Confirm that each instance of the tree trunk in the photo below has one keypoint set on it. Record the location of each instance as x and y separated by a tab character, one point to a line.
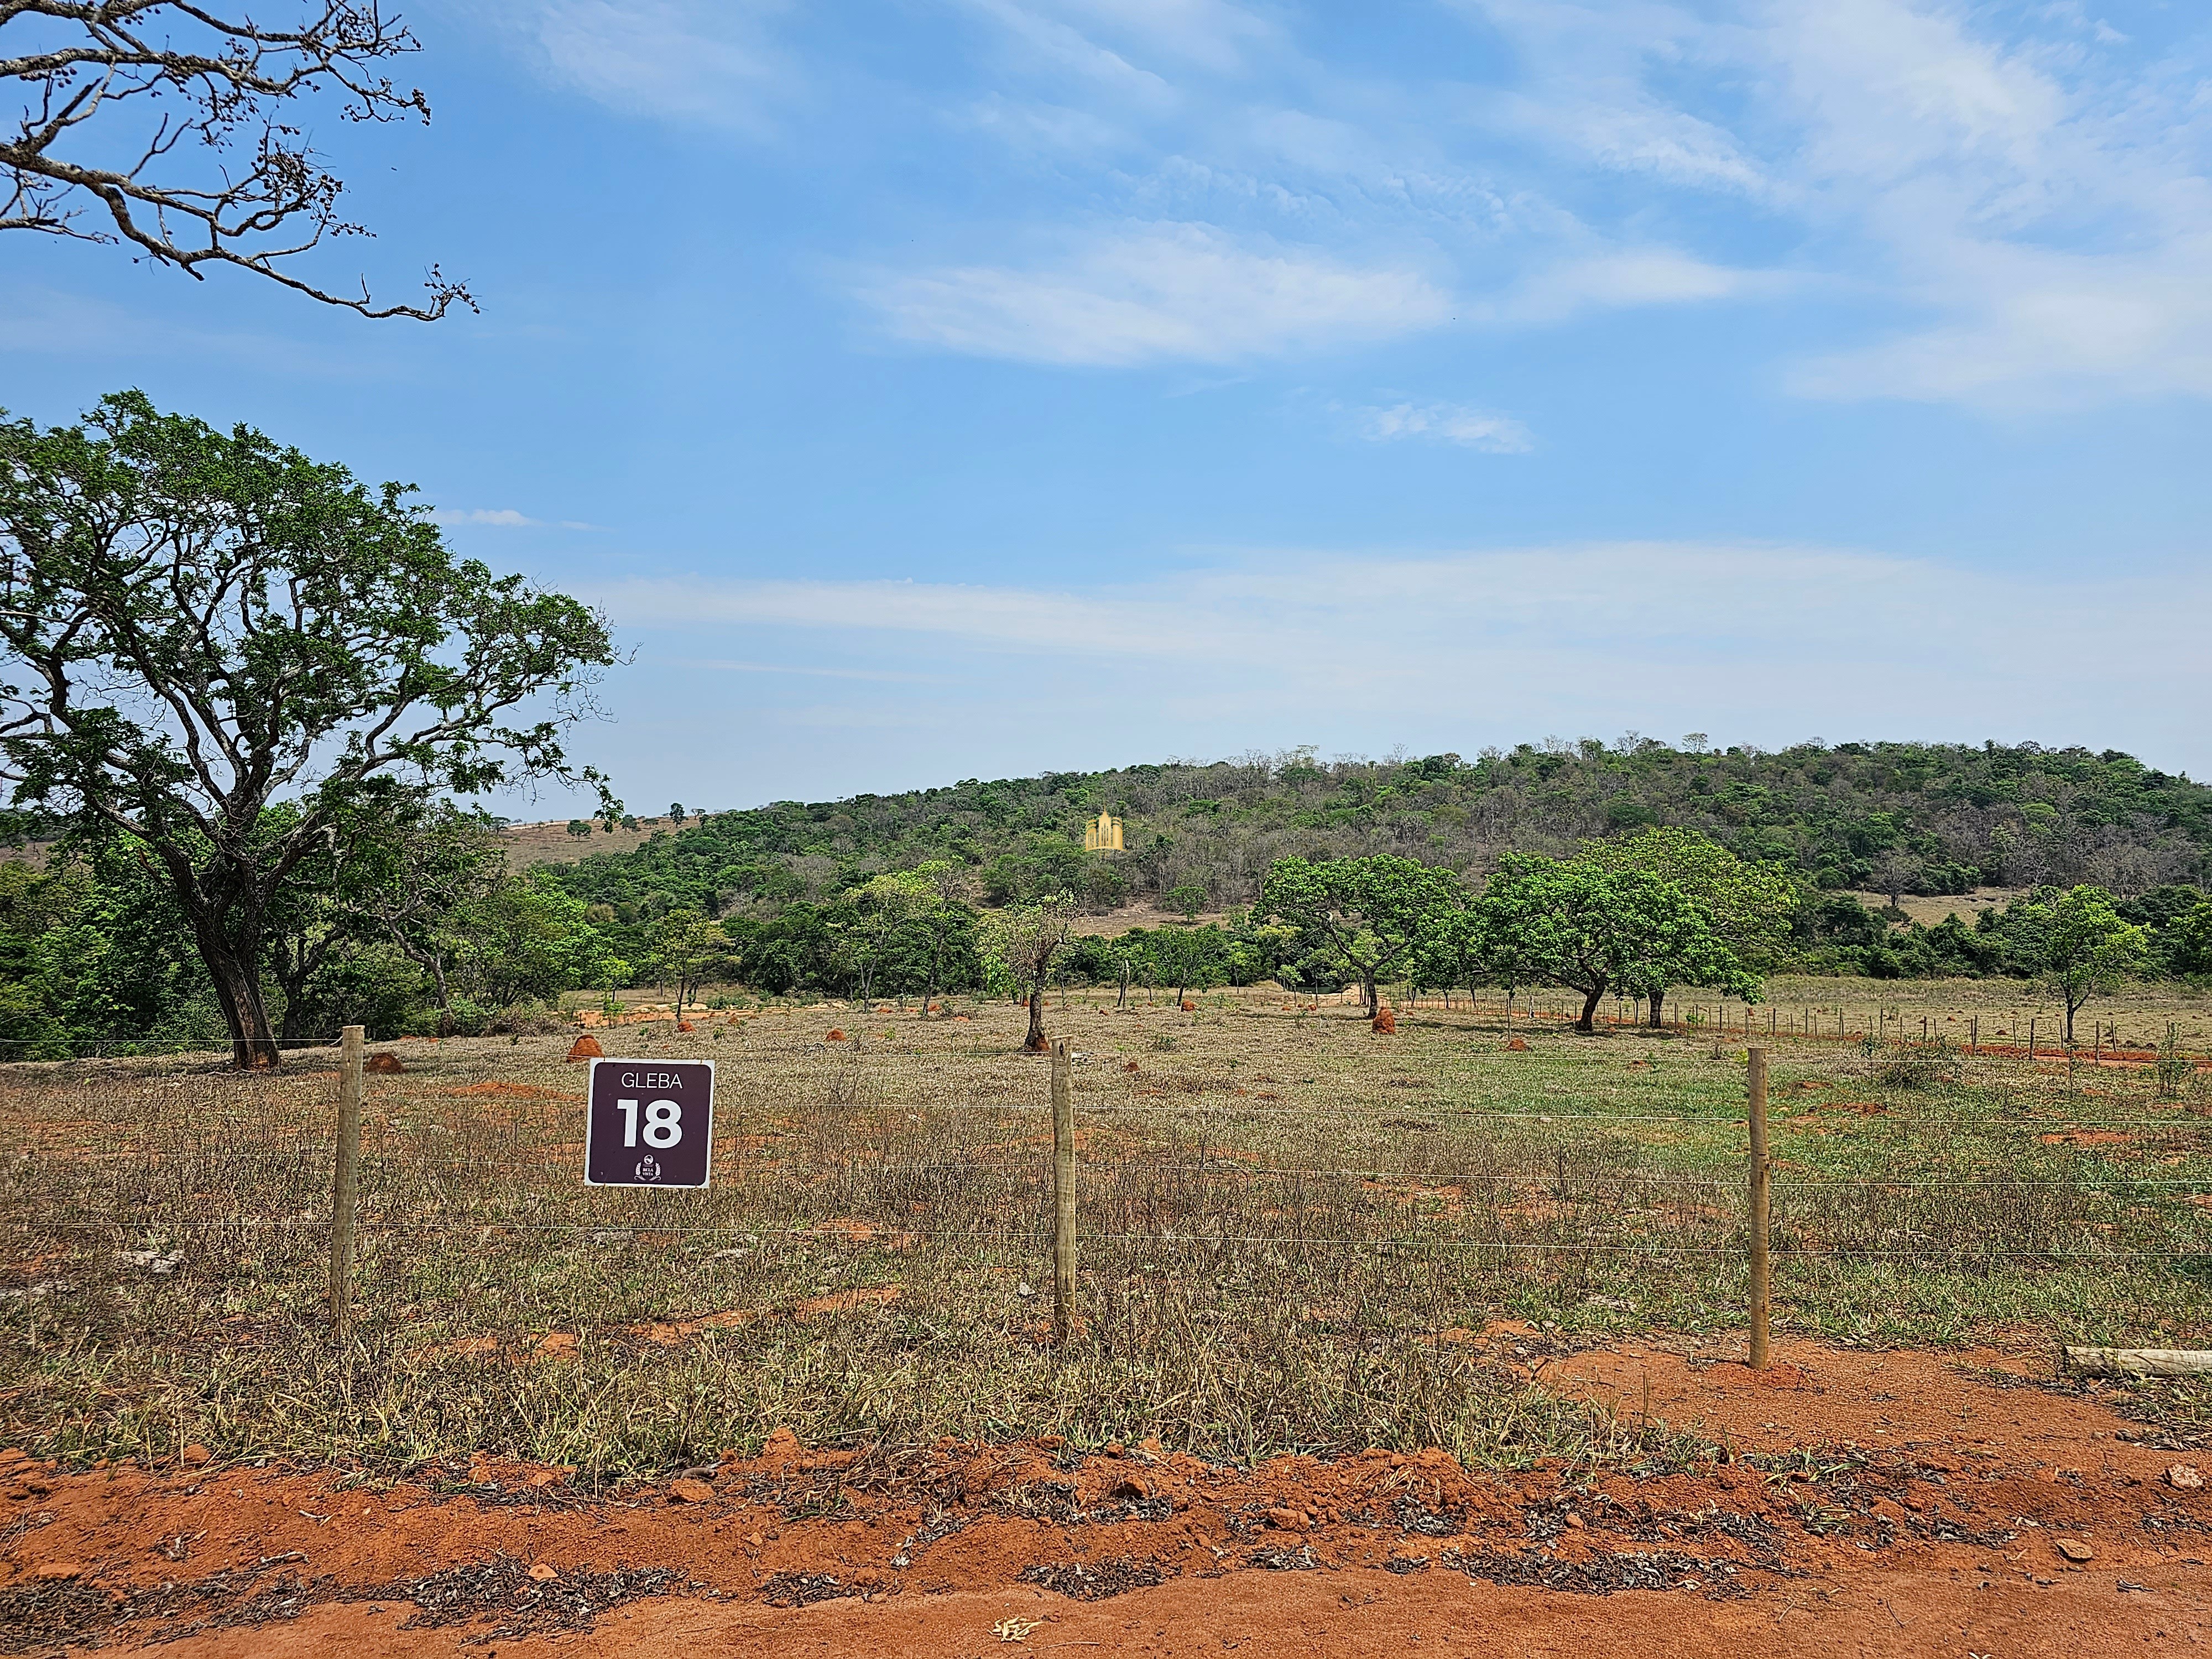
867	987
1122	997
1367	990
1590	1001
446	1023
1035	1042
238	992
1658	1020
294	968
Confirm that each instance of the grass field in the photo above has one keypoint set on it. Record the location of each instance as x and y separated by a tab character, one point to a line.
1294	1233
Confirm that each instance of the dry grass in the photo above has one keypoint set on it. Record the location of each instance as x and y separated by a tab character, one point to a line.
1294	1233
526	844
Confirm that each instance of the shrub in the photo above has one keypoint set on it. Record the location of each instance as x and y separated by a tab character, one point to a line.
528	1017
1919	1066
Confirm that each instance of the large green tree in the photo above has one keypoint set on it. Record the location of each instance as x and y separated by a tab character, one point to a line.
1367	911
685	943
878	911
1750	907
198	625
1573	923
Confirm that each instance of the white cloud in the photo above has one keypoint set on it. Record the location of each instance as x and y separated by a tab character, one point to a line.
2032	199
1155	293
704	63
1530	638
504	518
1475	428
1210	34
1624	277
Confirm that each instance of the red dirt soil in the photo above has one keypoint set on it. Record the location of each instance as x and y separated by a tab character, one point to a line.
1951	1505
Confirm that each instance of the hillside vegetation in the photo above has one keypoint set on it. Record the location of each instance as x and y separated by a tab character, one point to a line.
1892	817
1435	872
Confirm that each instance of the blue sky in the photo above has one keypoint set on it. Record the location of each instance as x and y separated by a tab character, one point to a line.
944	388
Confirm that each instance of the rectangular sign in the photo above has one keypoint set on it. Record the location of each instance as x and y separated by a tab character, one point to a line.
651	1123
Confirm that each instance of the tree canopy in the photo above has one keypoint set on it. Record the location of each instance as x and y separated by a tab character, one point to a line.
1369	912
2078	943
198	626
1749	907
1574	923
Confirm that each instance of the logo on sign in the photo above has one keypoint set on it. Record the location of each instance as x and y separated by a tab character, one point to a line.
648	1169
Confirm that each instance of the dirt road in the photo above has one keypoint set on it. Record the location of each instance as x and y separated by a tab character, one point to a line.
1872	1504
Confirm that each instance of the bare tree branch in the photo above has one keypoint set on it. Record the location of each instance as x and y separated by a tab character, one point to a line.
114	94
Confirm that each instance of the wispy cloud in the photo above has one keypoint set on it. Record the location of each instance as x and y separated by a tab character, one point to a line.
1212	34
699	63
504	518
723	665
1534	635
2025	185
1155	292
1474	429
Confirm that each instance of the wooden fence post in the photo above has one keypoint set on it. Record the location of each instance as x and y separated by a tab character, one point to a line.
1063	1194
345	1182
1762	1287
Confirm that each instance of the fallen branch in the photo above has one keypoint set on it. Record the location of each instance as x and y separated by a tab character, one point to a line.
2139	1362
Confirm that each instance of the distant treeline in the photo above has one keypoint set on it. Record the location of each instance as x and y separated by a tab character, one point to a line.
411	922
1890	817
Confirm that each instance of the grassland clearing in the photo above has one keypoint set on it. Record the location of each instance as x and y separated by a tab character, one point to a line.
1300	1240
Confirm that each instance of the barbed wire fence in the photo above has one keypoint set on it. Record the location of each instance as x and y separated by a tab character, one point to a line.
967	1164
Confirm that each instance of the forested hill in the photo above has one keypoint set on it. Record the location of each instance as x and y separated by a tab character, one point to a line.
1909	817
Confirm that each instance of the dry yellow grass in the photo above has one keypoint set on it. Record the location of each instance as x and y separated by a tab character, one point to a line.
1285	1218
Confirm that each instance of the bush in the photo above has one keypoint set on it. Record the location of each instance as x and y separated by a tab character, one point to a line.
1919	1066
528	1017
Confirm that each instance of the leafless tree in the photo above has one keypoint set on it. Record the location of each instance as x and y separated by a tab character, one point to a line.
160	125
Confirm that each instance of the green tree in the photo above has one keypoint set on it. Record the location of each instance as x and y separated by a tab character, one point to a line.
685	942
418	879
197	625
1750	908
1367	911
1025	937
579	828
1189	899
528	940
1188	958
2077	943
2189	940
880	908
1573	923
946	923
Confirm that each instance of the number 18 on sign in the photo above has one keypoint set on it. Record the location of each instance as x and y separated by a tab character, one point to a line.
651	1123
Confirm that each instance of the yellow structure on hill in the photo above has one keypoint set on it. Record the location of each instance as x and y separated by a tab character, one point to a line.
1103	837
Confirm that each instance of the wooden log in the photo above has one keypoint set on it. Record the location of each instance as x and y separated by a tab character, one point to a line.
2139	1362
